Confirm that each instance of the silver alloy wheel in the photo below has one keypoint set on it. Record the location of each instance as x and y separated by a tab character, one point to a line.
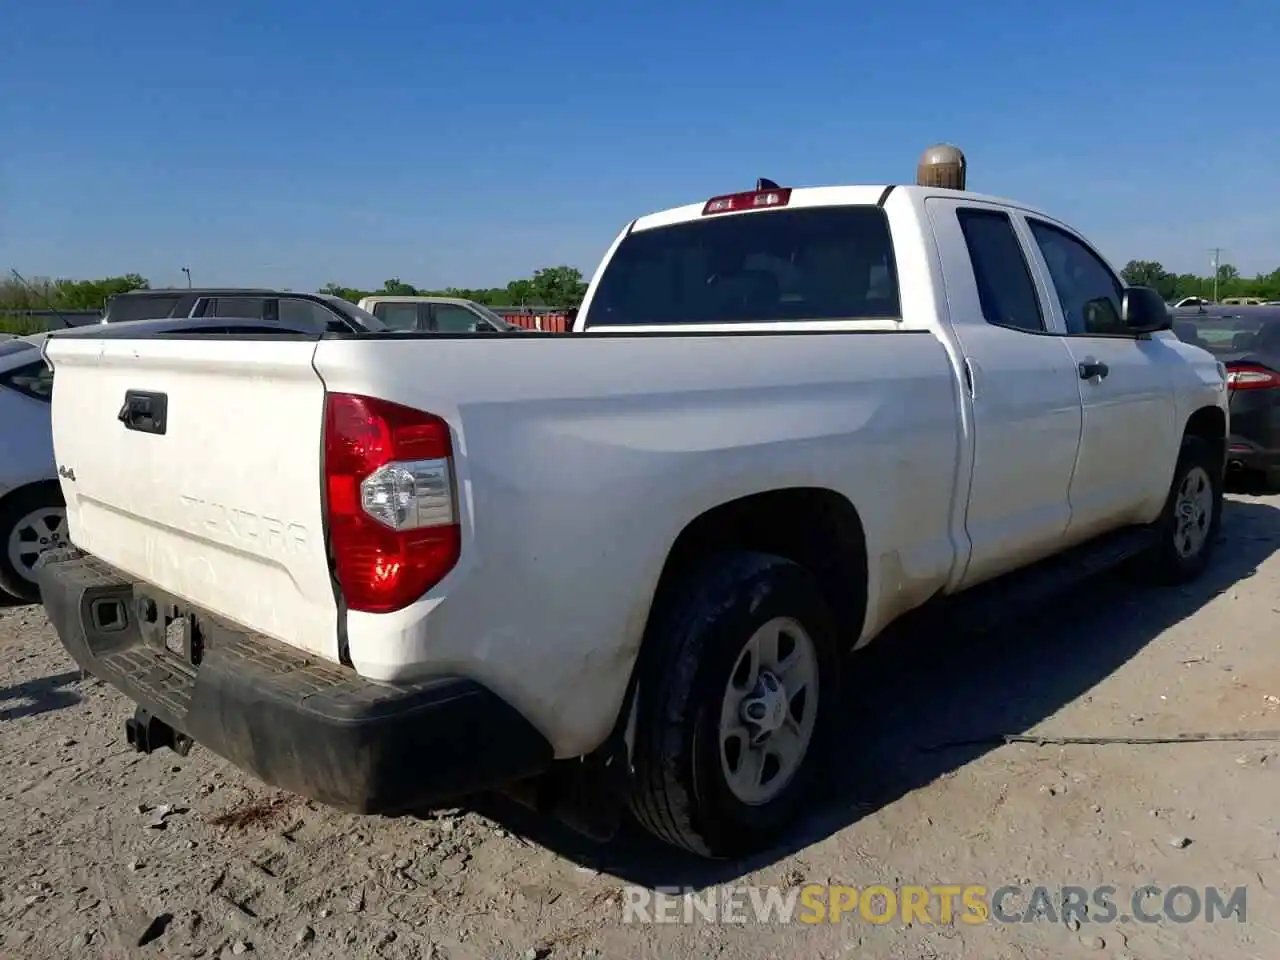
1192	512
769	710
42	529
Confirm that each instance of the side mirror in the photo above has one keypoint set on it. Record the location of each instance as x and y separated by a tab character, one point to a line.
1142	310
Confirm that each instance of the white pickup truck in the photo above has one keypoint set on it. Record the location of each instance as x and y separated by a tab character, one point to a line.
381	569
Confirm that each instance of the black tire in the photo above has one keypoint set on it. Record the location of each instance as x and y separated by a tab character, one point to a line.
680	792
1165	563
16	508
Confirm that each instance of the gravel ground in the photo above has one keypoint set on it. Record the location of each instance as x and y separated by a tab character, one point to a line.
106	853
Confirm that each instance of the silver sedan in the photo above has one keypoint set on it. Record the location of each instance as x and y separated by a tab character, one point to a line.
32	515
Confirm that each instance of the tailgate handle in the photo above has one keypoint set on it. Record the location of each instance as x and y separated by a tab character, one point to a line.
144	411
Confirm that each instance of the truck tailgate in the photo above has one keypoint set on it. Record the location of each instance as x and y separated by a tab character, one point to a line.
217	498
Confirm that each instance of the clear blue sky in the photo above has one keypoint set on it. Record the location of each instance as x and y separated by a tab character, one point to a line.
291	143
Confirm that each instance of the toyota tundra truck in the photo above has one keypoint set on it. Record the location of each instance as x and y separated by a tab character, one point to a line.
620	570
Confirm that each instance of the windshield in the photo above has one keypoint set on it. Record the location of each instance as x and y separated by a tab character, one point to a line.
349	309
809	263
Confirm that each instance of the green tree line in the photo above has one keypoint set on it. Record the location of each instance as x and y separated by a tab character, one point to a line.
561	286
549	287
1175	286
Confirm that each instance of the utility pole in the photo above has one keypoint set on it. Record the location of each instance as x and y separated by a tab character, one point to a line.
1217	263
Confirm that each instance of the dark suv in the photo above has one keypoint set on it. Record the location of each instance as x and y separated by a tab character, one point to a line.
320	311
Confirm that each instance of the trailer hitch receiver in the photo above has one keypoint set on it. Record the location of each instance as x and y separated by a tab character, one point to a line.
147	733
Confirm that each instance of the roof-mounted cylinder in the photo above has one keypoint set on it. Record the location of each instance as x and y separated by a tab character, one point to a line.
942	165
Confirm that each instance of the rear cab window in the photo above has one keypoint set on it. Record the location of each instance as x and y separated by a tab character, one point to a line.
801	263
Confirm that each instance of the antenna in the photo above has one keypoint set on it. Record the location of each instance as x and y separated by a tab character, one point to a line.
764	183
47	302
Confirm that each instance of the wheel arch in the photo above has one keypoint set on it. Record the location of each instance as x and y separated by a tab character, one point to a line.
815	527
1209	423
15	583
11	496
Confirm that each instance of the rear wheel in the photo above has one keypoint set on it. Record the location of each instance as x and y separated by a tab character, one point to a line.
736	706
32	520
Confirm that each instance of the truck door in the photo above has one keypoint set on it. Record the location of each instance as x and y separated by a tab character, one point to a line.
1023	386
1129	437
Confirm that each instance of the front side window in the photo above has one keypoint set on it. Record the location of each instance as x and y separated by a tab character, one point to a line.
1088	291
1005	288
451	318
807	263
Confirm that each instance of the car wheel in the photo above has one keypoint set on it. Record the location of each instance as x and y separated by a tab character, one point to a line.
1187	530
32	520
736	706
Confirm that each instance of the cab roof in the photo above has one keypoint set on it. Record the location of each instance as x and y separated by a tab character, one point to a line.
853	195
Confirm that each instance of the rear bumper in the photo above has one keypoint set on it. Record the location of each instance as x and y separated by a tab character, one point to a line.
1255	431
292	720
1247	455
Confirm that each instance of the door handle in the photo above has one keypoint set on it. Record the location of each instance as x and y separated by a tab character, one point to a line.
144	411
1093	368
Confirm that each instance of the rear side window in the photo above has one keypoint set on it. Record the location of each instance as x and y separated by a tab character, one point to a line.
1005	288
35	380
816	263
125	308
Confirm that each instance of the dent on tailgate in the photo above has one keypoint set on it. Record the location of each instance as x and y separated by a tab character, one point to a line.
222	506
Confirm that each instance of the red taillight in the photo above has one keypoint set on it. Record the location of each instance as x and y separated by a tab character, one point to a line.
393	523
1251	376
751	200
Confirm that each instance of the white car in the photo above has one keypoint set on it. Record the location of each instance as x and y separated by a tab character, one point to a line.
32	517
385	569
436	314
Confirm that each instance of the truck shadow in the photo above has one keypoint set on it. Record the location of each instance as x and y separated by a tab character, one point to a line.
35	697
916	691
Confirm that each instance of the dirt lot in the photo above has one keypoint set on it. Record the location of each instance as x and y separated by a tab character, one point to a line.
105	853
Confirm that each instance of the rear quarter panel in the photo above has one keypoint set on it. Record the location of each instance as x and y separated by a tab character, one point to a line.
580	460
